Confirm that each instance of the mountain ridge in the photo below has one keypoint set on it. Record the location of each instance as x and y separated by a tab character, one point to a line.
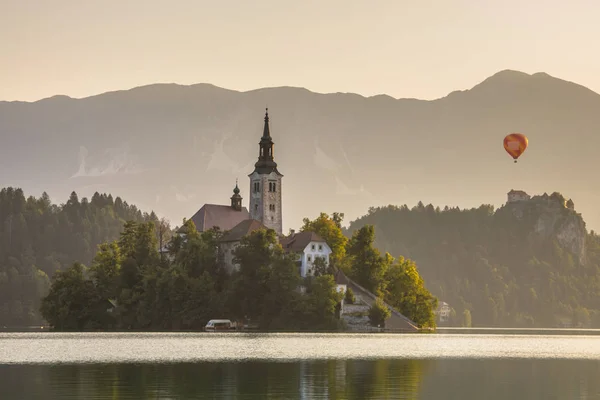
173	147
498	75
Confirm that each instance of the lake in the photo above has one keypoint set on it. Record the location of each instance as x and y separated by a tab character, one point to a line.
458	364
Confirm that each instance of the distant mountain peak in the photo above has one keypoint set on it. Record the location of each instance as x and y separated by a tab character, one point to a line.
510	83
505	77
510	74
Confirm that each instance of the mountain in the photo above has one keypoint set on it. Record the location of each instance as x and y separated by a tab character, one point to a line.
172	148
529	263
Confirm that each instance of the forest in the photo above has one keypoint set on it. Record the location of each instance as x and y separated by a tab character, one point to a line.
492	267
38	238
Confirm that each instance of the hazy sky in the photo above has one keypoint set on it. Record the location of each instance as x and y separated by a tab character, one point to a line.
423	49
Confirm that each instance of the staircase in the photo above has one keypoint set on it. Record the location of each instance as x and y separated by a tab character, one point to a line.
395	323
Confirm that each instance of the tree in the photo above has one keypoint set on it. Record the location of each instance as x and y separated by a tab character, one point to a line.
405	290
318	309
320	266
72	300
349	296
254	255
105	270
163	232
280	296
367	266
379	313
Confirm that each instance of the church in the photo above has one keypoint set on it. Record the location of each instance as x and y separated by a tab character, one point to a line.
264	212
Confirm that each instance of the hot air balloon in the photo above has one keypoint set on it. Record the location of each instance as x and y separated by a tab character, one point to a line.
515	144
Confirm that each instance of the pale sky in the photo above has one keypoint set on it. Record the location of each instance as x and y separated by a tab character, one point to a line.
422	48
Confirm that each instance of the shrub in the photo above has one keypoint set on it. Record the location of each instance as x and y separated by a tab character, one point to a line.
378	313
349	297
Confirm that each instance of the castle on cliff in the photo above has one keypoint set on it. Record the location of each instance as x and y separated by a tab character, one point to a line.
518	196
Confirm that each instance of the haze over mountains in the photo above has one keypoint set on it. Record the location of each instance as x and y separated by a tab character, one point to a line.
172	148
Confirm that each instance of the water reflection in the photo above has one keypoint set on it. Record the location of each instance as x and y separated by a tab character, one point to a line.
247	380
332	379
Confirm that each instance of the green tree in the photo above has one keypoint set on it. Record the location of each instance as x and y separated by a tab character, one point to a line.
255	255
105	270
349	296
320	266
320	306
379	313
72	300
368	267
405	290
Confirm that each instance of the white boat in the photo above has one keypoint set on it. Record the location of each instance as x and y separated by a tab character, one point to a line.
219	325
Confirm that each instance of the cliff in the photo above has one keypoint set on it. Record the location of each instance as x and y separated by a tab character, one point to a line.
549	218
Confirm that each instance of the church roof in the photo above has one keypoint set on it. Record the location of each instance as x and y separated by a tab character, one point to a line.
224	217
299	241
242	229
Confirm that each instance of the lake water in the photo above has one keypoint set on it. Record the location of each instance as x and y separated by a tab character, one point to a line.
457	365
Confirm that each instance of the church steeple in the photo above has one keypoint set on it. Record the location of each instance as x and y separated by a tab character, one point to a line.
266	161
236	199
266	131
265	184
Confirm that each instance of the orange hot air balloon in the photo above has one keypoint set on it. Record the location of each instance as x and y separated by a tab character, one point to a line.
515	144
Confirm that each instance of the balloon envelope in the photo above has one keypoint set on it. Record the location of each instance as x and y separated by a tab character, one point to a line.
515	144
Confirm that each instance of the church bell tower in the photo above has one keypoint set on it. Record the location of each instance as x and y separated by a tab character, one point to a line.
265	184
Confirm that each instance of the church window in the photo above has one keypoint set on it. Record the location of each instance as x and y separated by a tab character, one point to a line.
272	207
312	247
256	207
320	247
256	187
272	187
309	258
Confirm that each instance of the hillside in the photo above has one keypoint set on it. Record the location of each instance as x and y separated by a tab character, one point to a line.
526	264
38	237
173	148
